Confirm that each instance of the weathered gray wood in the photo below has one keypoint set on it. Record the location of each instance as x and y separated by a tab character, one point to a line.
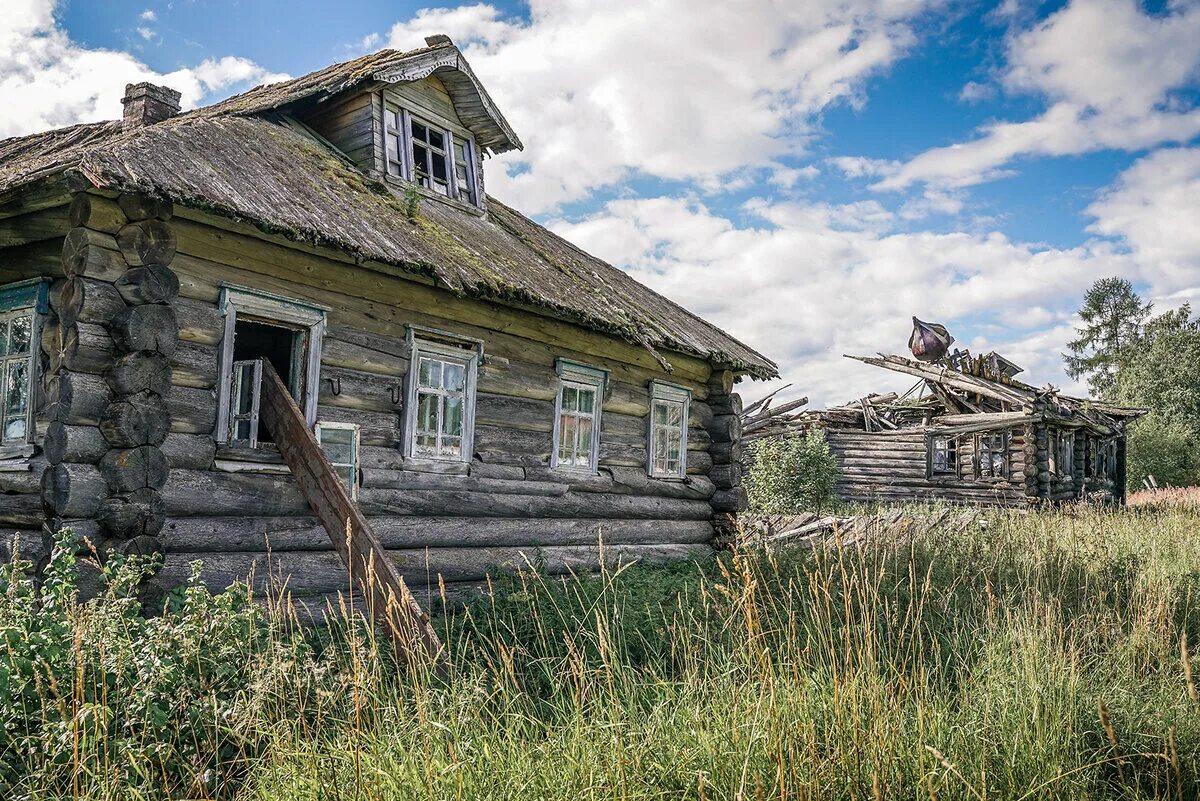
376	429
73	490
195	365
228	534
77	300
76	398
66	443
147	242
191	451
143	207
150	328
140	372
361	390
134	468
729	500
90	253
192	411
408	479
35	226
95	212
150	284
305	572
136	420
136	514
82	348
191	492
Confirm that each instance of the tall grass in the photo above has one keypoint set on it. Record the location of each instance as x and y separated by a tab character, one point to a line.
1048	655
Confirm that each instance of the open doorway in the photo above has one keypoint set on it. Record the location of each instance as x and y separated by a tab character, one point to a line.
282	347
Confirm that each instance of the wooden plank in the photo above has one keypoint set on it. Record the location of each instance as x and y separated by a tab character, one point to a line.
372	572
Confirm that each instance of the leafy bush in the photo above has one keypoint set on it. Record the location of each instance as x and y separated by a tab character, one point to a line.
791	474
1165	449
98	695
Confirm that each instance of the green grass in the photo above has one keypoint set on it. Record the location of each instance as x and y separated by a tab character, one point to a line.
1037	656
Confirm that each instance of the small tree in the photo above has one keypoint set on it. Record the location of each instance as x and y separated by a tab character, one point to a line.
791	474
1163	448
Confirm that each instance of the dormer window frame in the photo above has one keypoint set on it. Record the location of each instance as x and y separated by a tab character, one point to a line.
398	153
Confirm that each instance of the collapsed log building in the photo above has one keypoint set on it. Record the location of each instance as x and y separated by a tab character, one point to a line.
485	391
967	432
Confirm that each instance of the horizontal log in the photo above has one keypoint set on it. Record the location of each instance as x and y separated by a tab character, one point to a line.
76	398
77	300
136	514
73	490
22	511
149	328
92	254
378	429
228	534
140	372
360	390
202	322
24	482
34	226
406	479
191	451
134	468
194	365
306	572
82	444
192	411
150	284
81	348
96	212
147	242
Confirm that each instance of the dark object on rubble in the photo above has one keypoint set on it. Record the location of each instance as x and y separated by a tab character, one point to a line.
929	341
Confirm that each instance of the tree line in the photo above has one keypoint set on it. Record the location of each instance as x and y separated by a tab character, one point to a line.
1130	356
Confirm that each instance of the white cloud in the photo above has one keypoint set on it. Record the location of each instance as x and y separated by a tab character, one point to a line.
145	33
1109	73
148	16
1154	207
788	177
598	91
974	92
810	282
48	81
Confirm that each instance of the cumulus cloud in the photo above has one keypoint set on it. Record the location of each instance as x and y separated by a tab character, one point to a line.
809	282
600	91
1110	74
48	81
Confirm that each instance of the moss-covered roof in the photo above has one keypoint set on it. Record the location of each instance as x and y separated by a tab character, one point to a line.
241	159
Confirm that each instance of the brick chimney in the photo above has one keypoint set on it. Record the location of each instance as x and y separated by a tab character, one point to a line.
146	104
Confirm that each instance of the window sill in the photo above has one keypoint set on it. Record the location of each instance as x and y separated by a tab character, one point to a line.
15	464
235	466
21	451
445	467
401	185
244	459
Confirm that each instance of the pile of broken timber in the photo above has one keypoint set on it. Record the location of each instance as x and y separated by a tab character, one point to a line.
760	420
811	530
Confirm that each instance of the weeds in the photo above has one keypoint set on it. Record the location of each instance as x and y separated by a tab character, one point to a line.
1038	656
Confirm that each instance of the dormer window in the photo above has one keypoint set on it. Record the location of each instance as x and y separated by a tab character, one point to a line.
426	153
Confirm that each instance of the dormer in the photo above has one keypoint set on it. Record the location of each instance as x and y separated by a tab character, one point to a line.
417	119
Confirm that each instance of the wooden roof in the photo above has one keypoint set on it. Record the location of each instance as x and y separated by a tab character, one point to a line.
244	160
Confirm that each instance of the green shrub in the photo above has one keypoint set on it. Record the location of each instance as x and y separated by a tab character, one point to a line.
96	695
1165	449
791	474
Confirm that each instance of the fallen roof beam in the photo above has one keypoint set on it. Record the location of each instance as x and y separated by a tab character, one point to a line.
949	377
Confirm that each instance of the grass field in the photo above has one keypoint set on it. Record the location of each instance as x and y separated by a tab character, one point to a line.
1038	656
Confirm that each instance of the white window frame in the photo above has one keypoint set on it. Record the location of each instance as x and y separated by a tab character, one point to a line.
307	318
574	374
355	463
447	347
17	299
664	393
406	169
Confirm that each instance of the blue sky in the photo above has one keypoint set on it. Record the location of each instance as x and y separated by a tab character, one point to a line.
807	178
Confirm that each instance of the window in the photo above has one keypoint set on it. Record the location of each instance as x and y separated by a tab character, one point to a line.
991	456
577	416
339	441
441	400
260	327
943	455
1063	451
668	430
429	154
21	305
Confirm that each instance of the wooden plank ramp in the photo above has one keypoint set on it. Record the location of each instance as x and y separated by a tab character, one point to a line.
389	601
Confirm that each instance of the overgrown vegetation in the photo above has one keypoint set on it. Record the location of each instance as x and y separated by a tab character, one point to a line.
1040	656
1151	362
791	474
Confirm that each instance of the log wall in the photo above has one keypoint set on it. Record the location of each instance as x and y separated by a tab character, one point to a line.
129	458
893	466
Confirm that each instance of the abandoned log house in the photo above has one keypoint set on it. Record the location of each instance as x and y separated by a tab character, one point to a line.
485	391
970	432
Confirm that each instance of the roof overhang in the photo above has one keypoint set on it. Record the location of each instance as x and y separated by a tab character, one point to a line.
472	102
